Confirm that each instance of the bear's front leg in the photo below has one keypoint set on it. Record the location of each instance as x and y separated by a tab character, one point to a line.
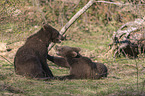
58	61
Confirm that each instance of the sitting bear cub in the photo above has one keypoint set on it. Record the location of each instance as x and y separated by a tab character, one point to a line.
30	59
80	67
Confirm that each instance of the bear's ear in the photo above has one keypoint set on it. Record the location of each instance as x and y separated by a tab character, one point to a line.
76	49
73	54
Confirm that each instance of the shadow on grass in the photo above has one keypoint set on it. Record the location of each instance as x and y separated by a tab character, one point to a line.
11	89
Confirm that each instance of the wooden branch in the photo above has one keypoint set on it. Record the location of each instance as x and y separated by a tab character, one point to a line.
73	19
6	59
118	3
110	3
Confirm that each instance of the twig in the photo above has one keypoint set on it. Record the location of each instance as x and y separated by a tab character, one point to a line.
110	3
121	4
6	59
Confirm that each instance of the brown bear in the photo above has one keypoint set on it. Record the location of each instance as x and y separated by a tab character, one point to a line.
31	59
80	67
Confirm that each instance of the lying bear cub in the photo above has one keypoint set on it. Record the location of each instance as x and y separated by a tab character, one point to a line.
80	67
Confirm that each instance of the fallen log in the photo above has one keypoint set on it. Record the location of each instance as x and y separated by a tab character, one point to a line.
129	39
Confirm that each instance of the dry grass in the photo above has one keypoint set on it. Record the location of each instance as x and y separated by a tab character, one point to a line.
126	76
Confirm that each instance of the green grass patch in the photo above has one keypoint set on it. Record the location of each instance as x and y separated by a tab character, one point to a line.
126	76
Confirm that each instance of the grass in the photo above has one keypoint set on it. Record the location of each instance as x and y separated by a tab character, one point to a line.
126	76
121	81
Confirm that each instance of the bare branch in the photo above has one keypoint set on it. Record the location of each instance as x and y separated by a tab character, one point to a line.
73	19
111	3
6	59
120	4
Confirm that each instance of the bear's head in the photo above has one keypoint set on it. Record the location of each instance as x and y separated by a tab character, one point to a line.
66	51
55	36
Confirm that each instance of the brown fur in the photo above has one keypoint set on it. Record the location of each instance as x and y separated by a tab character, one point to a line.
30	59
60	61
80	67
